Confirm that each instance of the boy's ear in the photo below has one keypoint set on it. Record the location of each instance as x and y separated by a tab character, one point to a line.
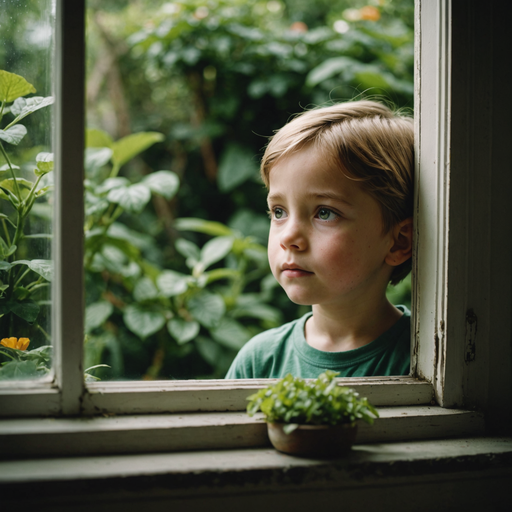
402	248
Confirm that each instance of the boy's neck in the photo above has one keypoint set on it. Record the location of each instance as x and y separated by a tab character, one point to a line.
335	330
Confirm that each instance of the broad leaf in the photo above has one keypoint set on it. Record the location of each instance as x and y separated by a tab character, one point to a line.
44	163
13	86
236	165
231	334
6	250
221	273
182	331
9	184
42	267
143	322
112	183
172	283
21	370
128	147
14	134
96	314
95	158
97	139
5	167
144	290
5	265
27	310
207	308
216	249
22	107
202	226
188	249
133	198
165	183
328	69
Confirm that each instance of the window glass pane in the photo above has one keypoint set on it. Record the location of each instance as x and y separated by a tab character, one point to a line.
26	163
180	99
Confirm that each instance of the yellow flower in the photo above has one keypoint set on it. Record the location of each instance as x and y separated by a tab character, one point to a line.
370	13
19	344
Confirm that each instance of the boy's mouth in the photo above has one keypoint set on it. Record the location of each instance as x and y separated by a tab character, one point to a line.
291	270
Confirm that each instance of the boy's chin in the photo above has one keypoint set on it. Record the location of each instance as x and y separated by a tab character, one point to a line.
300	301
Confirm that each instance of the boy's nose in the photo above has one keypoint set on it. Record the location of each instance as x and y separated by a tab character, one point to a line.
292	236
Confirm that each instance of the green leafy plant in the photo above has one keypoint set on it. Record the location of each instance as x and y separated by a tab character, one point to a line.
196	307
24	277
296	401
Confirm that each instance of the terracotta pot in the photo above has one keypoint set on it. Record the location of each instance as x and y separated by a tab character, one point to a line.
313	440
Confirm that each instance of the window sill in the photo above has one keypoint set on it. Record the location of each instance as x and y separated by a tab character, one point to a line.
101	435
246	479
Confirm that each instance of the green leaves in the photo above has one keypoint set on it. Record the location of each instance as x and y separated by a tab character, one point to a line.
44	162
13	86
14	134
165	183
133	198
42	267
128	147
183	331
27	310
22	107
96	314
320	402
143	322
207	308
237	164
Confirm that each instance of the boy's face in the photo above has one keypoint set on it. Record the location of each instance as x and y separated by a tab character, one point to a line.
326	243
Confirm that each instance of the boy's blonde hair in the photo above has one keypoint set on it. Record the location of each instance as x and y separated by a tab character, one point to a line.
369	143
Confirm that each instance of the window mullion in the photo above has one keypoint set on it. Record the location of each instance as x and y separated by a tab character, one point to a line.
68	220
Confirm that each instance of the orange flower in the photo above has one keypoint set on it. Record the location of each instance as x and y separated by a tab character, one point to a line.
370	13
19	344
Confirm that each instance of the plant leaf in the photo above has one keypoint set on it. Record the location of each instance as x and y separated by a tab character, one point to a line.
22	107
165	183
112	183
28	310
172	283
231	334
216	249
96	314
130	146
95	158
202	226
182	331
144	290
21	370
329	68
290	427
236	165
13	86
42	267
207	308
97	139
133	198
143	322
14	134
44	163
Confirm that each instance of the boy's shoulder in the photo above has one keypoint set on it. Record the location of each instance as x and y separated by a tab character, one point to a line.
264	350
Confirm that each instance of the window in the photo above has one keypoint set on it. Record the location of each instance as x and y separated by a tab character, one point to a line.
461	254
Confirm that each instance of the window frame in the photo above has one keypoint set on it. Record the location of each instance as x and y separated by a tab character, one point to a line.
439	323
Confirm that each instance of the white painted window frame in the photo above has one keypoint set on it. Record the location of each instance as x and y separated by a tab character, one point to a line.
442	329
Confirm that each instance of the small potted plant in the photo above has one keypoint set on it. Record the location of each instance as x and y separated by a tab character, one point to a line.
311	418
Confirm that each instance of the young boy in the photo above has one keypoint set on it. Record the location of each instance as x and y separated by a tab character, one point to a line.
340	182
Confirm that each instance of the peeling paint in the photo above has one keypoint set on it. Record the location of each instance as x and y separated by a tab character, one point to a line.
470	341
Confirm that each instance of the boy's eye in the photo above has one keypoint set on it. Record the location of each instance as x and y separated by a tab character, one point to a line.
278	213
326	214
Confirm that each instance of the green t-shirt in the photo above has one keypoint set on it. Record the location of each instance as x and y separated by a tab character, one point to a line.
277	352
